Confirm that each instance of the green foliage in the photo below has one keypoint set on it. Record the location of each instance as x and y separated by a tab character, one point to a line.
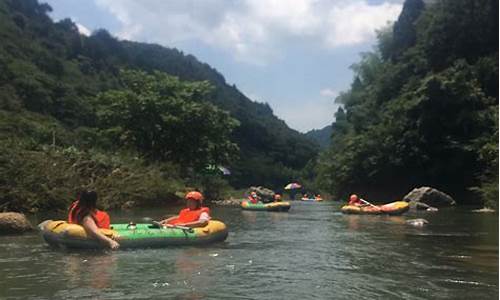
166	119
48	178
321	136
420	112
50	69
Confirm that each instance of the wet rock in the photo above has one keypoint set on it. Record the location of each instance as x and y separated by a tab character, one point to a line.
11	222
414	205
266	195
417	222
428	196
484	210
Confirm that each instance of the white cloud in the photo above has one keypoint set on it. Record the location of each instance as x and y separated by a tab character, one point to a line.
356	22
329	93
253	31
83	30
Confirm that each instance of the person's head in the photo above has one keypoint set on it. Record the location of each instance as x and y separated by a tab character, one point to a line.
87	203
194	200
253	194
277	197
353	197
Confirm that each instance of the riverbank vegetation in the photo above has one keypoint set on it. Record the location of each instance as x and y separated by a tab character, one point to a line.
135	121
422	108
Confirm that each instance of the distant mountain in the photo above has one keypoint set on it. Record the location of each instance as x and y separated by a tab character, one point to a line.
321	136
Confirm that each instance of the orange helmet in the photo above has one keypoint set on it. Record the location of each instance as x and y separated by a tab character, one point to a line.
194	196
353	197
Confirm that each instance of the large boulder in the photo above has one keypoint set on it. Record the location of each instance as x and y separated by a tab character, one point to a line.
11	222
266	194
428	196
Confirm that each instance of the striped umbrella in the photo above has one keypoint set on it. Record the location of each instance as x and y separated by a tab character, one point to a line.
292	186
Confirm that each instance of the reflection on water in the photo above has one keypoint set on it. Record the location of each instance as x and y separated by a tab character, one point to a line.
96	270
312	252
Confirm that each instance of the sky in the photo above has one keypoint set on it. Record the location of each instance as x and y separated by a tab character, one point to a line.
293	54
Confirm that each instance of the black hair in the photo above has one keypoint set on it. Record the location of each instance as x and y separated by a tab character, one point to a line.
87	203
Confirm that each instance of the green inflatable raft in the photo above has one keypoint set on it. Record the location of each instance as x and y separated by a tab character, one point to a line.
274	206
64	235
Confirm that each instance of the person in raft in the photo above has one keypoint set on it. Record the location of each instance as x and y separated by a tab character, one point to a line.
277	198
195	215
355	200
84	212
318	197
253	198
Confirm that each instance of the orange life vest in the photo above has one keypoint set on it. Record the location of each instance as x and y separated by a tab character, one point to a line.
186	215
100	217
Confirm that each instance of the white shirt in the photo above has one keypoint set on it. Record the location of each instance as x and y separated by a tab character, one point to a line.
204	217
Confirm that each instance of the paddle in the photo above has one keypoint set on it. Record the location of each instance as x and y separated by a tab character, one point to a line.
159	225
366	202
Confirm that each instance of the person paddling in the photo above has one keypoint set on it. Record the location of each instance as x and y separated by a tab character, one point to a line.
277	198
195	215
355	200
84	212
253	198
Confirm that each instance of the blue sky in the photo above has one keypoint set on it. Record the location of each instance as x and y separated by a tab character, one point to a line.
293	54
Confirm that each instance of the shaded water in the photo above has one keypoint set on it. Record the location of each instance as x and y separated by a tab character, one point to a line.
312	252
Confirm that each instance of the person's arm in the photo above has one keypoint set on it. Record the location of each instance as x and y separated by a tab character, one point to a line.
92	229
202	221
165	222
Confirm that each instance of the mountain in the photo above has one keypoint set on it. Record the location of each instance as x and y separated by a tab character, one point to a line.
49	69
321	136
422	109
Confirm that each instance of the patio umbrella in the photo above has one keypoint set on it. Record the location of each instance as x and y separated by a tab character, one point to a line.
292	186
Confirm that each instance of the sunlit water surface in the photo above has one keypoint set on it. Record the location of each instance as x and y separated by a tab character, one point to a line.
312	252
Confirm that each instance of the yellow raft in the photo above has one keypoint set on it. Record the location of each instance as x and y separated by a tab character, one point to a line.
393	208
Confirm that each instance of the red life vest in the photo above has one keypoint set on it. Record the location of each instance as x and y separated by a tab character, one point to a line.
186	215
100	217
253	200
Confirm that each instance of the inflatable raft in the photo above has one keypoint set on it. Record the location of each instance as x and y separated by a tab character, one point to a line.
393	208
273	206
311	200
65	235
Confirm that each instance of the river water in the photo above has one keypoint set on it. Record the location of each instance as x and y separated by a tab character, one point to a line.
312	252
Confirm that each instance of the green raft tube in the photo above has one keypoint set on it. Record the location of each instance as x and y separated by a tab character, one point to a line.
273	206
64	235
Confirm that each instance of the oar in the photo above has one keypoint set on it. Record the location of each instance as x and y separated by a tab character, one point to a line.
159	225
366	202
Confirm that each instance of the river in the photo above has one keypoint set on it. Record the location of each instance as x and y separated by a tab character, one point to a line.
312	252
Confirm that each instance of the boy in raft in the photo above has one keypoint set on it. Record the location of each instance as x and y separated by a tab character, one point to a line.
253	198
84	212
277	198
195	215
355	200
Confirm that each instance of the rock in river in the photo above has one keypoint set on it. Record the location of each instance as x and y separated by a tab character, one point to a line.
429	196
11	222
417	222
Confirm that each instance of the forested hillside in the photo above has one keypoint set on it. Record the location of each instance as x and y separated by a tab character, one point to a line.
422	108
117	107
321	136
